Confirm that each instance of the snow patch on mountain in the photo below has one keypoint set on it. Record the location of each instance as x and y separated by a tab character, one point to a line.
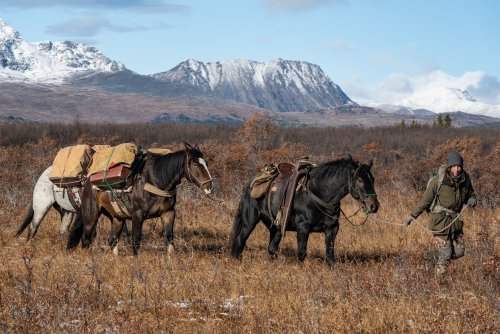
47	62
279	85
444	99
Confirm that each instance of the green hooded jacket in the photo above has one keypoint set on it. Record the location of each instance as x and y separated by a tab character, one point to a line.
451	197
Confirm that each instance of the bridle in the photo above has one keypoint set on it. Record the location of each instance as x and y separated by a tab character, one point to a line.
352	186
191	176
362	195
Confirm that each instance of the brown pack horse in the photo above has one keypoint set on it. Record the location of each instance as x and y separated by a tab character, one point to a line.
153	195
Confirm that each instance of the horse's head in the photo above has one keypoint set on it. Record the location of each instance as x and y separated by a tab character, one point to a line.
197	168
362	188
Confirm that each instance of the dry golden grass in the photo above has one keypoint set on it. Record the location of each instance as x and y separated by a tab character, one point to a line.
379	283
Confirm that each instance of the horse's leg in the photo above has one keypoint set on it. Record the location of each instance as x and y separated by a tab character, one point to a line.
302	238
168	219
137	220
330	235
90	214
245	221
115	232
67	219
274	240
125	232
75	232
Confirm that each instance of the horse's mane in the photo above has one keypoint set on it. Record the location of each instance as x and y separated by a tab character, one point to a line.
343	166
166	167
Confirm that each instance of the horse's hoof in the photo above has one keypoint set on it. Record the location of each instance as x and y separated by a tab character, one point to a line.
115	250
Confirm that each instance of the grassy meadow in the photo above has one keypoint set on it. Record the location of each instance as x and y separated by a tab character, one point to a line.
379	283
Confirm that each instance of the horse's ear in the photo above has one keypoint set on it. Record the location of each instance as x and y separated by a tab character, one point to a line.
188	146
370	163
196	147
348	156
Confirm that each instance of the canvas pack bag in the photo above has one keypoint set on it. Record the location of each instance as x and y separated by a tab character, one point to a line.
70	165
162	151
107	158
111	166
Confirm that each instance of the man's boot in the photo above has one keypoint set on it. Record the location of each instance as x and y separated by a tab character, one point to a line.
444	255
458	247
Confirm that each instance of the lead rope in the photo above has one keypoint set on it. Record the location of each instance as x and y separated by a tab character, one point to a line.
420	225
447	226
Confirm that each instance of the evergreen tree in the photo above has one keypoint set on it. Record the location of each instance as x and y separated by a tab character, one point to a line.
447	121
440	121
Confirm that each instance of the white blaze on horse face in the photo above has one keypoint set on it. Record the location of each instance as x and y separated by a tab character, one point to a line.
202	162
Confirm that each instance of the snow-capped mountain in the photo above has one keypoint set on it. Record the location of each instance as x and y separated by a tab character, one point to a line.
444	99
48	62
278	85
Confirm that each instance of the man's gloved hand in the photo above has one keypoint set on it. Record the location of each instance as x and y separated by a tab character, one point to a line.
472	202
408	220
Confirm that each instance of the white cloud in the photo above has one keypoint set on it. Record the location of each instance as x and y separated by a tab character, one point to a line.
145	6
483	87
93	24
298	5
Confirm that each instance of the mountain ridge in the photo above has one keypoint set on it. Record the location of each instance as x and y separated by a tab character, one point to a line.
277	86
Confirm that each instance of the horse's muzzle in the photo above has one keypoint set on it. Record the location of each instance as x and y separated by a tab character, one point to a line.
207	188
371	204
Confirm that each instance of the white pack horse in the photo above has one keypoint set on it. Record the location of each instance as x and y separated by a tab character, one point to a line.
46	195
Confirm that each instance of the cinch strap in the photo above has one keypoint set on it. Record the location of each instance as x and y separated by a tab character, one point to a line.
154	190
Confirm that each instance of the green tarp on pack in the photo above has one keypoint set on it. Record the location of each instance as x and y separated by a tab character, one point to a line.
123	154
70	162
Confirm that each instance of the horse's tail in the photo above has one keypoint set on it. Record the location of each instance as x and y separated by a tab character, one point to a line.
240	222
236	228
26	222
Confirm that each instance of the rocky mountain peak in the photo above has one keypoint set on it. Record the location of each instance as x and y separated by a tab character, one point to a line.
48	61
278	85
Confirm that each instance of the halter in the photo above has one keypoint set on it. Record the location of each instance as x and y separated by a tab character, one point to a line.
350	182
191	175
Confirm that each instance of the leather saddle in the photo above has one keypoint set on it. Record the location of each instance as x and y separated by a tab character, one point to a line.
282	191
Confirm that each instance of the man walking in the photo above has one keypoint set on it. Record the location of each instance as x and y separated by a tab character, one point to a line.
444	198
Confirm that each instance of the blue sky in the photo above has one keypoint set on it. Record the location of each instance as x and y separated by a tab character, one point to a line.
376	50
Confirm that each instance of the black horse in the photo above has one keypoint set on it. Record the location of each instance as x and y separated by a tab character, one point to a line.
153	195
316	208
